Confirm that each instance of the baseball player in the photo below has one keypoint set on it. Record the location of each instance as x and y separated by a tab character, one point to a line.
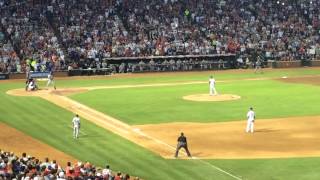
182	143
212	84
76	126
258	65
31	85
27	84
250	123
50	80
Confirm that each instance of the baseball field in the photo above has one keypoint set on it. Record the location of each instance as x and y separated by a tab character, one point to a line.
132	122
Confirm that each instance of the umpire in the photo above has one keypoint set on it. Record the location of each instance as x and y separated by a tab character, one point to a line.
182	143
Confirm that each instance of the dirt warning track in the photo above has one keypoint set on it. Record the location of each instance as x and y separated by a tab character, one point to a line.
18	142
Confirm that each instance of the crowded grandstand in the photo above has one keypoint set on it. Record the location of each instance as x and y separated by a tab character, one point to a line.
158	35
28	167
69	34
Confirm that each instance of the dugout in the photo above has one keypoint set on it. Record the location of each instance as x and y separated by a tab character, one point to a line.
162	63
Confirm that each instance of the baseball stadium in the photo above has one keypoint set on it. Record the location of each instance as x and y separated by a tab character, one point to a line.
146	78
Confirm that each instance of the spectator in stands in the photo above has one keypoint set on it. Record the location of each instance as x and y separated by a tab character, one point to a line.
106	172
28	167
82	32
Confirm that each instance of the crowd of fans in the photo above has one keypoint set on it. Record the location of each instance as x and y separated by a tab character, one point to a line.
91	30
167	28
9	61
281	29
26	26
30	168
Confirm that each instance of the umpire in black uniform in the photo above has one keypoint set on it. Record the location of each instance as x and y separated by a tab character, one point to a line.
182	143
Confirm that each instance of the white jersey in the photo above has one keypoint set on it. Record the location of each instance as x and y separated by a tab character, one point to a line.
250	115
212	82
50	77
76	122
106	172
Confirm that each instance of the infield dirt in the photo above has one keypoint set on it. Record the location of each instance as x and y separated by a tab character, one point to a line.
273	138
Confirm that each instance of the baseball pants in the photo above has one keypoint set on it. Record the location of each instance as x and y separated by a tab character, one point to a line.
182	145
75	132
250	126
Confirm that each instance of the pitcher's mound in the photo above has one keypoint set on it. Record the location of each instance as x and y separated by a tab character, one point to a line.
207	97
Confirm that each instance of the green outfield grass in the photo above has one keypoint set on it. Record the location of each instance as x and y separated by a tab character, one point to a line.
151	105
50	124
185	76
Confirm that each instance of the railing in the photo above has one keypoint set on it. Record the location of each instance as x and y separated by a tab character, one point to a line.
89	72
172	63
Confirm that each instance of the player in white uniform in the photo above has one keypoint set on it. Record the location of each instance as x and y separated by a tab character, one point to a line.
250	123
76	126
51	80
212	84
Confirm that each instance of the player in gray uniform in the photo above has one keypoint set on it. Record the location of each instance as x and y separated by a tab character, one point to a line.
51	80
258	65
182	143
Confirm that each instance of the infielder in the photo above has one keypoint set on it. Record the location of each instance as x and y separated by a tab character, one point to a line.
182	143
76	126
50	80
212	84
250	123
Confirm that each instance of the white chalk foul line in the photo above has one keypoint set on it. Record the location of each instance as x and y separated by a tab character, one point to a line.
193	157
217	168
96	115
152	138
123	127
103	122
83	108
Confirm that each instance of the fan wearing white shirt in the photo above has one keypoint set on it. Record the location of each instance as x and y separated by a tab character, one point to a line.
106	172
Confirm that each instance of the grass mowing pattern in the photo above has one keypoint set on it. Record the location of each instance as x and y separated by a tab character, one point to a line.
182	77
150	105
273	169
48	123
